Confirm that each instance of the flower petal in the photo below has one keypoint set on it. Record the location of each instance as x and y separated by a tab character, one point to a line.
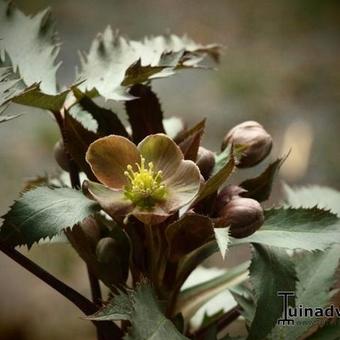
109	156
112	201
163	152
183	185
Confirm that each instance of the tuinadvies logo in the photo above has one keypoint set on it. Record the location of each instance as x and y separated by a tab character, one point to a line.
291	314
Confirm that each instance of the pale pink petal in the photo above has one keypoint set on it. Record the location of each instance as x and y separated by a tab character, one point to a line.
112	201
109	156
183	185
163	152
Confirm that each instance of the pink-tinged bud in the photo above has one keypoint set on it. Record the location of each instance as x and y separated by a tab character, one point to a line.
243	215
60	155
256	139
205	161
226	195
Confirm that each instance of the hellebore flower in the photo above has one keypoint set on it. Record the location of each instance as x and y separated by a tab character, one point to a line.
150	181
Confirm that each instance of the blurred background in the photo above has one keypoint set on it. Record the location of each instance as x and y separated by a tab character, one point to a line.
280	66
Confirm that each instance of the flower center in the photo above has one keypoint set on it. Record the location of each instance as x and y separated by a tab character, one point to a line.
145	188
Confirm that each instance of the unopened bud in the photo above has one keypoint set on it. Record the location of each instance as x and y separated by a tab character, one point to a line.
256	139
91	229
226	195
243	215
60	155
205	161
106	250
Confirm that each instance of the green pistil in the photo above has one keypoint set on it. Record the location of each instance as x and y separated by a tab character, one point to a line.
145	188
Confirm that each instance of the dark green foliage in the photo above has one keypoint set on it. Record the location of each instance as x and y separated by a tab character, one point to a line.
143	310
271	271
43	213
259	188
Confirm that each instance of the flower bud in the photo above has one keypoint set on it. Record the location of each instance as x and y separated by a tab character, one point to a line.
243	215
205	161
226	195
60	155
256	139
91	229
107	250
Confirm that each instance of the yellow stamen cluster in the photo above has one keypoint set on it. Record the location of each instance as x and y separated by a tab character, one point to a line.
145	188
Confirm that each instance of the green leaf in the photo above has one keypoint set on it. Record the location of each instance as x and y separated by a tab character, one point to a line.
220	160
137	73
120	307
217	179
192	299
308	229
330	331
259	188
33	97
314	195
147	319
222	239
271	271
211	319
143	310
194	259
31	45
188	234
245	298
9	85
316	278
144	112
44	212
12	89
113	62
95	118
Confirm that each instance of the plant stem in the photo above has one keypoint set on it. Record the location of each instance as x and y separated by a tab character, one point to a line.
151	251
161	262
96	293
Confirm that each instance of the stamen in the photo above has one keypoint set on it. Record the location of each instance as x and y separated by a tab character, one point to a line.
145	187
